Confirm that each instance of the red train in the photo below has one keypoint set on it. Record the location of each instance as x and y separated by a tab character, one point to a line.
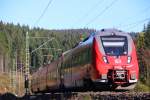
107	57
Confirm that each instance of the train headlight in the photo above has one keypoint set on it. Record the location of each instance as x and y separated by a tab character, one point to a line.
105	59
133	76
104	76
129	59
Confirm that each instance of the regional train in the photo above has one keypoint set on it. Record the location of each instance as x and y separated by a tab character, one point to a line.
107	57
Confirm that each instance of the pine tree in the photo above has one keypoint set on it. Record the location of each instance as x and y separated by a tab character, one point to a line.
140	52
147	36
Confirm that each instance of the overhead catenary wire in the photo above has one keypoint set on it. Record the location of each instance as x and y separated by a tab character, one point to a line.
137	22
140	13
44	11
42	45
102	12
131	17
90	11
134	24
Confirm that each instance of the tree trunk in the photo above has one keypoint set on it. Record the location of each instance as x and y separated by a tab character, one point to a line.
1	63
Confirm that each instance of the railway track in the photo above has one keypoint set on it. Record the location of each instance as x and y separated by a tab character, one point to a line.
82	96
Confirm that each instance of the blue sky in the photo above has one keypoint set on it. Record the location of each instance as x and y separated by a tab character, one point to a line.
66	14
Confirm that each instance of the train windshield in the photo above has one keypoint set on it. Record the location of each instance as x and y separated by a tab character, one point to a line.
115	45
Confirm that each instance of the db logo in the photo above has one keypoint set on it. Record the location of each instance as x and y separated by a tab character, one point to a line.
117	61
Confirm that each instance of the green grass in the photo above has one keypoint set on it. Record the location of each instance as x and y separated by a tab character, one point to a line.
141	87
86	97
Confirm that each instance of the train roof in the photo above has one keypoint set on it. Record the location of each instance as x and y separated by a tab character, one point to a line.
105	32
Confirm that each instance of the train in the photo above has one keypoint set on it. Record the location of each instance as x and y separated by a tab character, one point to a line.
105	58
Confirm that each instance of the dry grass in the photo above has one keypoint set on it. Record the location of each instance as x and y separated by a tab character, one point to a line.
6	85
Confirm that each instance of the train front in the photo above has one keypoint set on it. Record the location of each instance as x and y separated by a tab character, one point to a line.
114	58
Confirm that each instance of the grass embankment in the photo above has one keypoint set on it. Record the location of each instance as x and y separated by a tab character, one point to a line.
140	87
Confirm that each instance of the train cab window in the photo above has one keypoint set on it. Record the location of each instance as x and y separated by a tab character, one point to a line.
115	46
